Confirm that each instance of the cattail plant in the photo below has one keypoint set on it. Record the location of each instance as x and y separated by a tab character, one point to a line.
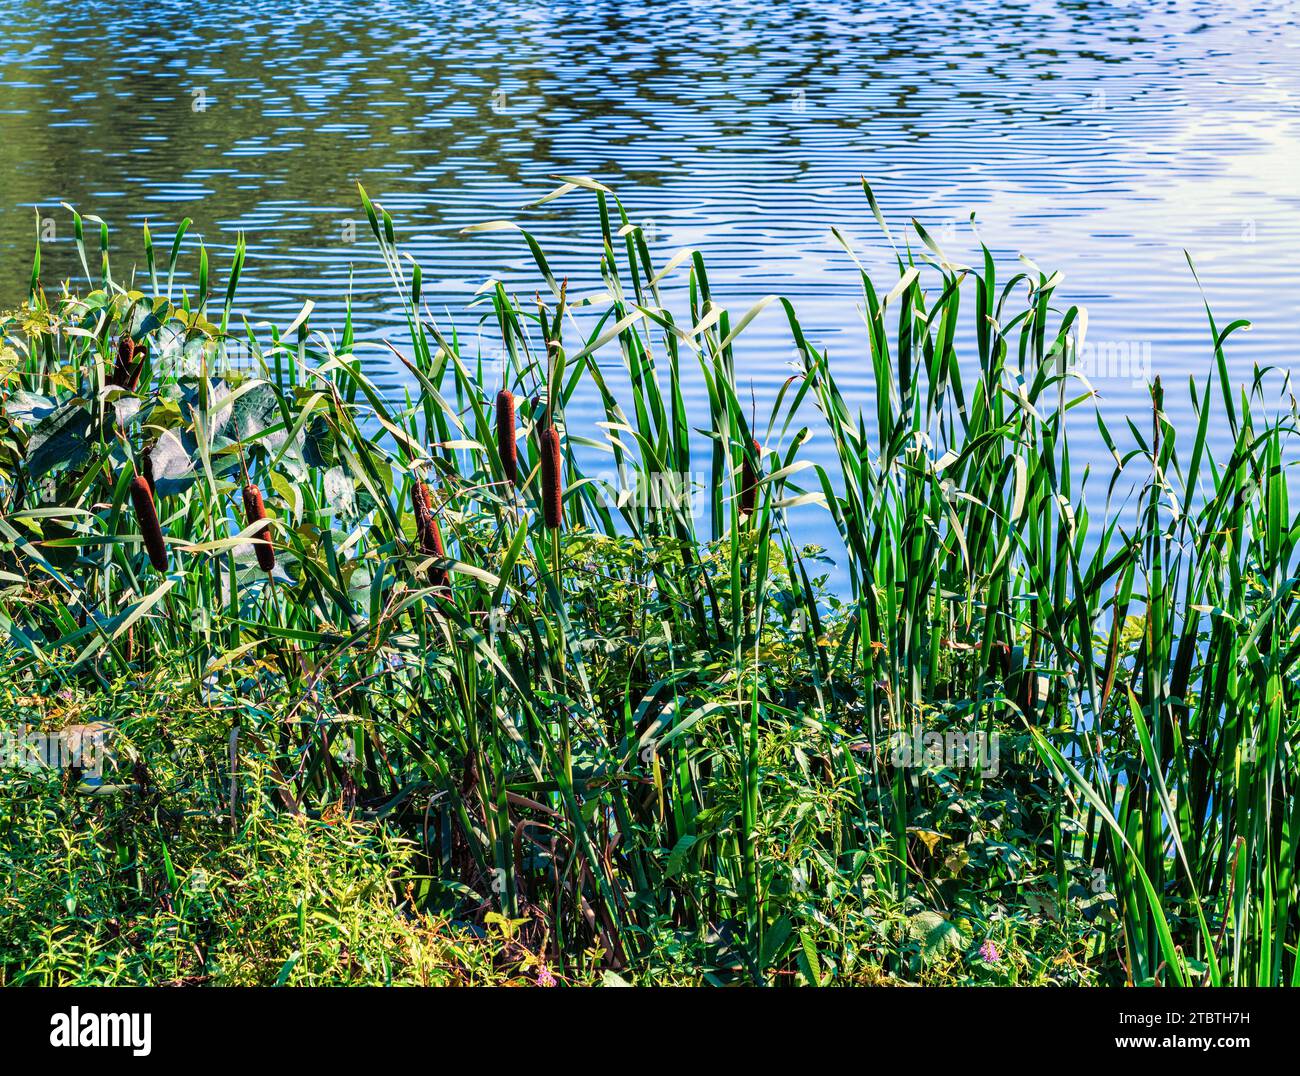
552	479
749	479
147	516
129	364
1158	746
506	435
255	512
428	534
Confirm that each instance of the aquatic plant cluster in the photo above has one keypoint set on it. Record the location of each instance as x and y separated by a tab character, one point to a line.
416	698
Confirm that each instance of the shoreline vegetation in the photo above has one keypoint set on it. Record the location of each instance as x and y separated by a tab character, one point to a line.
346	691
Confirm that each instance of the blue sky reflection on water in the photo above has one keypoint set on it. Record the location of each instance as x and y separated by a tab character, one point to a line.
1100	139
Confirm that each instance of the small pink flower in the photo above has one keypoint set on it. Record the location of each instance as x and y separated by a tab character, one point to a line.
989	952
544	976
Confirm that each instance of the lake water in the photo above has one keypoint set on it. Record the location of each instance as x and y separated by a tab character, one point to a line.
1096	138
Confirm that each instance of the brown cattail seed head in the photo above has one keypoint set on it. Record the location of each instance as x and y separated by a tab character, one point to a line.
255	512
506	435
749	479
421	506
552	479
127	368
1001	659
147	517
428	533
437	575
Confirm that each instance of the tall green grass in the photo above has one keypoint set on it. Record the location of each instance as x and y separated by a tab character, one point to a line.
655	722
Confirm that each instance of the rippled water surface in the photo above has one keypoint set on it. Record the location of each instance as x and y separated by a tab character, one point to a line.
1099	139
